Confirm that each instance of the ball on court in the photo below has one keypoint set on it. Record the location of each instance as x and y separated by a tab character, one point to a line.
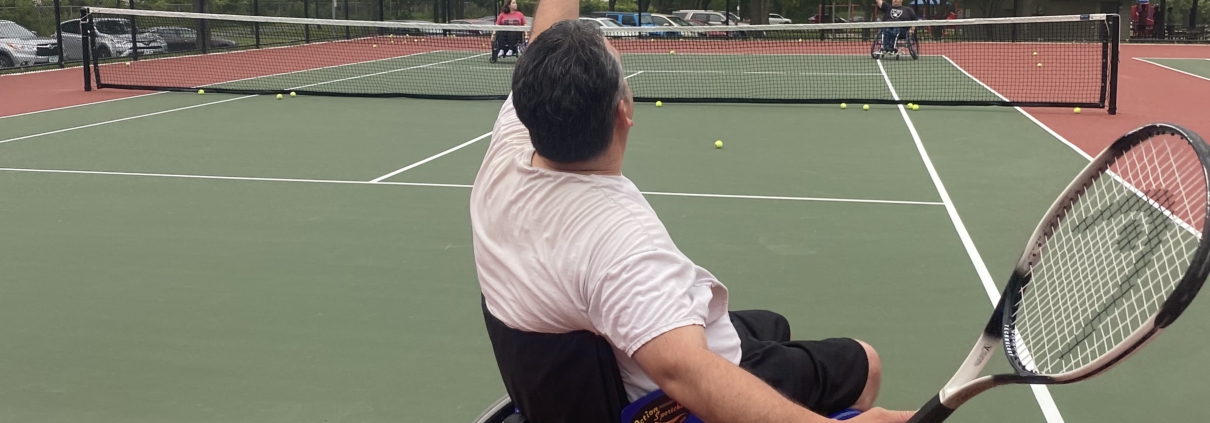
865	107
915	107
718	144
1076	110
671	51
292	94
127	63
200	92
843	106
1039	65
279	96
375	45
909	105
659	104
1035	53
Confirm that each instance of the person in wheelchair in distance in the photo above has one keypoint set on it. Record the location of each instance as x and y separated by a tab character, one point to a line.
506	41
895	12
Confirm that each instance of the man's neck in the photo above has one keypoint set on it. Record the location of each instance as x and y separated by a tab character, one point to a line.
606	164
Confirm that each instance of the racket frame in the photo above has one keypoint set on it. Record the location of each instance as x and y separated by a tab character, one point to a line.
966	382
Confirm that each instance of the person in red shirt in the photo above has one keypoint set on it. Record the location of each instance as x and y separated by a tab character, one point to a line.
505	41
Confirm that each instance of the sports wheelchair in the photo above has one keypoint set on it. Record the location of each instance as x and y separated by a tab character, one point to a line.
571	377
507	41
904	42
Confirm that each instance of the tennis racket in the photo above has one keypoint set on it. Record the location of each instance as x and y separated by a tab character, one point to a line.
1114	261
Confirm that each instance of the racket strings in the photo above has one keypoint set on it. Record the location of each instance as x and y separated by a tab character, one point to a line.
1112	258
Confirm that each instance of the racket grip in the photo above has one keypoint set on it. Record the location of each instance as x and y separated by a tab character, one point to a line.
932	412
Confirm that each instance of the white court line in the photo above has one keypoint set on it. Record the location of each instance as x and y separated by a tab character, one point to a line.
430	158
80	105
123	119
1047	403
216	102
1174	69
419	184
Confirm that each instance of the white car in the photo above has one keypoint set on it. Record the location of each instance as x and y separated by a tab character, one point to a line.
776	19
610	23
112	39
709	17
20	47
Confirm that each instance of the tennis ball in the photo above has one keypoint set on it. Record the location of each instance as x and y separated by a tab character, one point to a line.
909	106
292	94
843	106
1077	110
671	51
375	45
865	107
659	103
1039	65
391	36
915	107
718	144
279	96
200	92
127	63
1035	53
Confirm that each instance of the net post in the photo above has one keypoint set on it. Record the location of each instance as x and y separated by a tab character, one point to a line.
306	28
134	35
1115	44
346	18
256	25
59	35
381	10
86	46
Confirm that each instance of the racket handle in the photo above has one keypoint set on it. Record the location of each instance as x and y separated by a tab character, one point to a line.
932	412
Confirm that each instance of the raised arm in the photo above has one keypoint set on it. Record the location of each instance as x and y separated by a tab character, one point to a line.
551	11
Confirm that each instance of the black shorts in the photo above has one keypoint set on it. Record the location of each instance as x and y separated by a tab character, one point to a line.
824	376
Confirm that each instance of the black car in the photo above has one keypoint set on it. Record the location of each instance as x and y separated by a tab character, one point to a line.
180	39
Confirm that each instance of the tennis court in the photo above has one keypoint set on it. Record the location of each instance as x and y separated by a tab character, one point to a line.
188	258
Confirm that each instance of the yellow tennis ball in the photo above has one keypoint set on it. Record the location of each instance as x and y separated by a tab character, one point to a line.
843	106
292	94
659	104
375	45
718	144
915	107
200	92
127	63
671	51
909	105
1077	110
279	96
1039	64
1035	53
391	36
865	107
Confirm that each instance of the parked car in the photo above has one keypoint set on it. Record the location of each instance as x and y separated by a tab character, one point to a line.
825	19
415	28
112	39
776	19
709	17
610	23
640	20
471	22
180	39
708	33
20	47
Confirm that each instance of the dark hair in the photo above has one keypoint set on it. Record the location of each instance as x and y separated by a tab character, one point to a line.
566	89
506	8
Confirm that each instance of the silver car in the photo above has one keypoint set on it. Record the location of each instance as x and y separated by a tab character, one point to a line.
20	47
113	40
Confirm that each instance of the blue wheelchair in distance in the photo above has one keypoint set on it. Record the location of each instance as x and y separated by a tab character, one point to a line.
905	43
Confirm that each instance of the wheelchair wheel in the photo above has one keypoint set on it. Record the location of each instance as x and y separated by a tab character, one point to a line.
913	46
498	412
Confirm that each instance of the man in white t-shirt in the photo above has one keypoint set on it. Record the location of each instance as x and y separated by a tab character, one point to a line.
564	243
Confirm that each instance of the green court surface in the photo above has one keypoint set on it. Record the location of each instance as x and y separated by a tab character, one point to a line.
1198	67
232	259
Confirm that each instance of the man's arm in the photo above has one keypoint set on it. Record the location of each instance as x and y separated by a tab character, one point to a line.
716	390
879	3
551	11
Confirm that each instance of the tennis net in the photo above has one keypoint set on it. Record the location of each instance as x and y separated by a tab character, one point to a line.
1062	61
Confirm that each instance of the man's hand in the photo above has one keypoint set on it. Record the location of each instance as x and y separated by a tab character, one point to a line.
880	415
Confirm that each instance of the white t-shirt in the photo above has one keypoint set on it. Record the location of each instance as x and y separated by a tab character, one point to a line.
559	252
